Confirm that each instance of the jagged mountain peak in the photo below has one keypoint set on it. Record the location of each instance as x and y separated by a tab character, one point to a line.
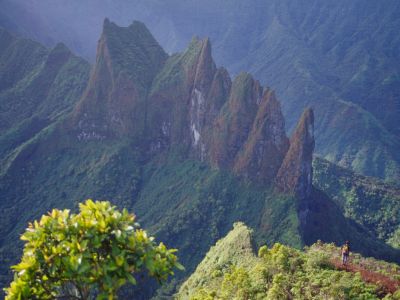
205	67
295	174
204	45
198	63
235	120
128	59
307	119
267	143
136	25
132	49
198	42
182	98
60	47
188	101
194	66
60	52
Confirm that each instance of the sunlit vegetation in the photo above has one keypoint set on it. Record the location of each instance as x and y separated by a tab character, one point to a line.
282	272
368	201
88	255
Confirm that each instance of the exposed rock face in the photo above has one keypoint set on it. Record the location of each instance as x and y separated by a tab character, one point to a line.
218	94
234	122
185	101
267	144
199	102
114	102
178	103
295	174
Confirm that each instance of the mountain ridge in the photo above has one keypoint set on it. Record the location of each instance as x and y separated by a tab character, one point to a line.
163	169
232	269
328	56
217	141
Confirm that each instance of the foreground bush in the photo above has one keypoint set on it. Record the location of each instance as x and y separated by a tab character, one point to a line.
86	255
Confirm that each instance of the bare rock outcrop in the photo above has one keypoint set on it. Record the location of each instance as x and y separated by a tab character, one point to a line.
295	174
267	143
128	59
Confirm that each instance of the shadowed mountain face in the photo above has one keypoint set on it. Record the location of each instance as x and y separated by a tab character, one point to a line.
38	87
171	137
341	59
135	91
295	174
113	104
368	201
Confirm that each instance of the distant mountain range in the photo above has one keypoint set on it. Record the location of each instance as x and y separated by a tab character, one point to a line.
172	138
341	59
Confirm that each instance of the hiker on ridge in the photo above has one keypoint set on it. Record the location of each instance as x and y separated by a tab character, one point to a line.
345	252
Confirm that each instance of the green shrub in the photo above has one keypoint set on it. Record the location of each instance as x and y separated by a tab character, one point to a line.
92	253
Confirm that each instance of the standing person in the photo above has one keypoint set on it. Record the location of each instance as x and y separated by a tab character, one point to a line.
345	252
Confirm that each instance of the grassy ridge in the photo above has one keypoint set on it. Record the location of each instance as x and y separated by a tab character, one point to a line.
231	270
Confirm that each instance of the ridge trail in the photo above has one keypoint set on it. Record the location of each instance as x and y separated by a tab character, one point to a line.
387	284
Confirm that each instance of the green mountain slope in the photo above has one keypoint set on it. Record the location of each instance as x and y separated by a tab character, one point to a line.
369	202
199	204
38	87
350	79
185	147
231	270
342	59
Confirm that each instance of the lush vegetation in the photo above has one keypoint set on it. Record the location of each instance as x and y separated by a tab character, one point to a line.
38	87
86	255
368	201
183	201
200	204
135	51
232	271
312	54
55	177
37	84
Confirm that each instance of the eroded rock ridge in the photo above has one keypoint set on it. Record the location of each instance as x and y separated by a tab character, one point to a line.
137	91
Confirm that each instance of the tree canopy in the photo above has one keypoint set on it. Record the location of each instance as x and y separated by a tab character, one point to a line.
88	255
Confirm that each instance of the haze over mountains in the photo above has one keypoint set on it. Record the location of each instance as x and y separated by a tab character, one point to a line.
342	59
173	138
192	147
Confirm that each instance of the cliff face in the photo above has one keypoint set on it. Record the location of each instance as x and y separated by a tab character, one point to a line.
178	102
343	81
266	145
234	122
114	102
186	101
139	104
295	174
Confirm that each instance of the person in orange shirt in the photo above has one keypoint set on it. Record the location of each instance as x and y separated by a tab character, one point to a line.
345	252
